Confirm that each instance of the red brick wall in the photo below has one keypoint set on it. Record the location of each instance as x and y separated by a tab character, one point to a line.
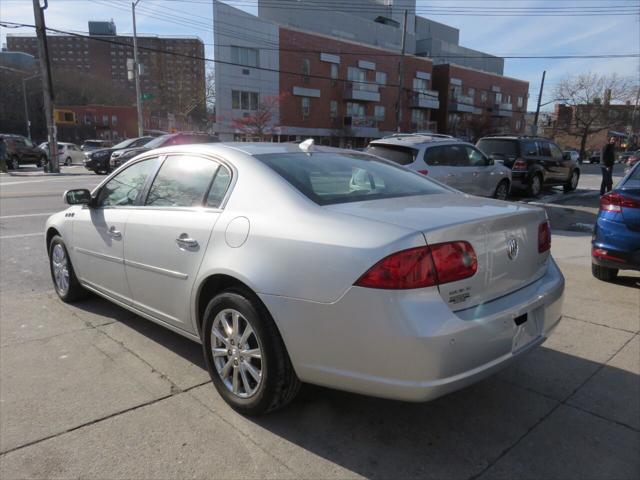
126	125
296	46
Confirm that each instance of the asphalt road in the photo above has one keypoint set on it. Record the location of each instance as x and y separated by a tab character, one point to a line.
90	390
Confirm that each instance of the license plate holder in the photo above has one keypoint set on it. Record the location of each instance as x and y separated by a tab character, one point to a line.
526	330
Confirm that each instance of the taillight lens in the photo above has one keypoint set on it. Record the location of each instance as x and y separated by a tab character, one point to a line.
614	202
544	237
422	267
519	164
605	255
423	172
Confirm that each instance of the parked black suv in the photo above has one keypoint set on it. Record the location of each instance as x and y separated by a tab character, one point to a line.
534	162
98	160
22	150
182	138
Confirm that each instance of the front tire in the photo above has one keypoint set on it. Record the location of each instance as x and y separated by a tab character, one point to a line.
604	273
502	190
64	277
572	184
14	163
41	161
67	161
245	355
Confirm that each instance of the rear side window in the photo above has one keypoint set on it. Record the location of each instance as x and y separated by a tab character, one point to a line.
499	148
330	178
219	187
543	148
529	148
181	182
447	156
396	153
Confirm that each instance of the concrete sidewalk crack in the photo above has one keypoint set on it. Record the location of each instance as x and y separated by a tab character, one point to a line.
552	410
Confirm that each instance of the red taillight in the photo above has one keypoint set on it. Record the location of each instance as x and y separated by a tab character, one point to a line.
605	255
423	172
614	202
519	164
544	237
422	267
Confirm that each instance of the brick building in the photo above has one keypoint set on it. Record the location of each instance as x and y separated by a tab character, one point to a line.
76	123
174	82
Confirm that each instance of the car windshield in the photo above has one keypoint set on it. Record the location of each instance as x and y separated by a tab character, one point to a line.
498	147
396	153
330	178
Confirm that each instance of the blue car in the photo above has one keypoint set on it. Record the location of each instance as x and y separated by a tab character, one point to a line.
616	237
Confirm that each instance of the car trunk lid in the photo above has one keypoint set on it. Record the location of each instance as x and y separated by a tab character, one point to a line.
503	235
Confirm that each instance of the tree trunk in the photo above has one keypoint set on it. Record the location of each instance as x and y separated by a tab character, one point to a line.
583	143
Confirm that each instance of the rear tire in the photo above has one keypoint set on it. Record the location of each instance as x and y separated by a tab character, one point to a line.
572	184
41	161
535	186
14	163
502	190
67	161
604	273
64	277
277	384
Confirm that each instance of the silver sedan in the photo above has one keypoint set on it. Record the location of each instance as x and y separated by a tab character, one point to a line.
295	264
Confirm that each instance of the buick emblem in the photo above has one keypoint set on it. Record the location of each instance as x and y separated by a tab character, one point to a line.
512	248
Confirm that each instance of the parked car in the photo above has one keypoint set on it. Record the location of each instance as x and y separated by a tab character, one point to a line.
616	236
68	153
624	156
266	255
573	154
457	164
632	159
99	161
594	156
534	162
183	138
21	150
90	145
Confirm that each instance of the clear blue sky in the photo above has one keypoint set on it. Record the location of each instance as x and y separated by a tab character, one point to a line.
499	35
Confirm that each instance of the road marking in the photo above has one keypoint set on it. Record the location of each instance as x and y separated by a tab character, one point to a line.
7	237
44	214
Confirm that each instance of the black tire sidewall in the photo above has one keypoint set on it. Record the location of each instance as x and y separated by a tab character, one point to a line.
531	187
262	399
506	185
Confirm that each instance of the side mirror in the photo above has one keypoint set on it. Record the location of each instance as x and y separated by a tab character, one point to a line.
79	196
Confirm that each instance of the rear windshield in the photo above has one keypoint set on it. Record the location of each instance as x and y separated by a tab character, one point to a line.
396	153
498	147
329	178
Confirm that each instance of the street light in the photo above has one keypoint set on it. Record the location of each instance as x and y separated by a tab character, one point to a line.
136	70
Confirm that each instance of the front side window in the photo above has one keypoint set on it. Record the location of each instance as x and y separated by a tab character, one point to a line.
181	182
543	148
556	153
331	178
475	158
124	188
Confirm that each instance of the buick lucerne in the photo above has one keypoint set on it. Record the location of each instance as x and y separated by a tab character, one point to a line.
295	263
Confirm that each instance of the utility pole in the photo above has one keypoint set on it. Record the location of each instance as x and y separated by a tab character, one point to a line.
26	105
401	74
535	120
47	84
136	70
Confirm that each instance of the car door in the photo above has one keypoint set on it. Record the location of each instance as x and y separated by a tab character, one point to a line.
562	165
438	164
547	161
484	176
99	232
167	238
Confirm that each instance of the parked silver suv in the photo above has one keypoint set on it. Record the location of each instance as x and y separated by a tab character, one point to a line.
448	160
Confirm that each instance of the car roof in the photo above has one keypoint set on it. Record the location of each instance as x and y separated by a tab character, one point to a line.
250	148
416	140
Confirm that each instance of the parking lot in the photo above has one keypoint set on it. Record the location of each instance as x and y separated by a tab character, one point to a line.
91	390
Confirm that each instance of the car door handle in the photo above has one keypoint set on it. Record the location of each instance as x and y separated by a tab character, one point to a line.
114	233
184	241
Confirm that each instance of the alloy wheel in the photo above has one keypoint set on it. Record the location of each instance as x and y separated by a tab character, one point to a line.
60	265
501	191
237	354
536	185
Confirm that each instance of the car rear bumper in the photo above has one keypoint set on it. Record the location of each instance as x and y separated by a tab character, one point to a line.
618	240
409	345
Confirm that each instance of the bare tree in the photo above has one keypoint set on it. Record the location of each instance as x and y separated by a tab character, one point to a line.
588	95
258	123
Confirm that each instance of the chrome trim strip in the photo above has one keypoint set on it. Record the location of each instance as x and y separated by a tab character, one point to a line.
161	271
102	256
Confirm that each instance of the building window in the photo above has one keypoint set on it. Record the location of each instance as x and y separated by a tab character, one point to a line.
333	112
105	120
456	91
518	125
379	112
355	75
306	67
498	97
244	100
507	99
472	93
114	120
420	85
306	107
244	56
520	102
417	115
334	70
483	97
355	110
381	78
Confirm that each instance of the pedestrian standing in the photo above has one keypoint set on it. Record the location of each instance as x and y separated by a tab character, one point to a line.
3	156
608	158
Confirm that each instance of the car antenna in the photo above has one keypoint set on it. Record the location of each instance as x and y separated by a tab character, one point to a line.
307	145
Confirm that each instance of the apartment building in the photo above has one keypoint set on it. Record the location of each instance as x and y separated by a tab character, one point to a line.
173	79
314	82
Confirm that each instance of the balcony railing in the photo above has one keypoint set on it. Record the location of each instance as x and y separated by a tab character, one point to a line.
361	122
368	92
503	110
425	99
463	103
